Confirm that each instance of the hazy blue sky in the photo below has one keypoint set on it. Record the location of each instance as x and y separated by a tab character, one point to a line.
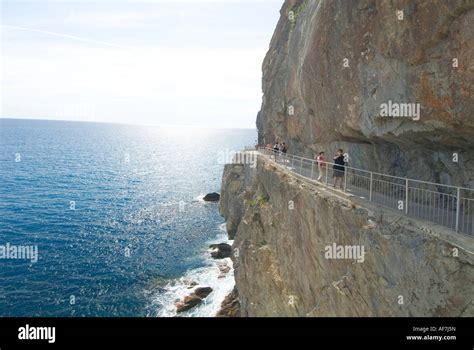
191	62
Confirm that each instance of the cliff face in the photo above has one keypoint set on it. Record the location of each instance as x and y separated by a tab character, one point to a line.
302	249
284	226
236	179
332	64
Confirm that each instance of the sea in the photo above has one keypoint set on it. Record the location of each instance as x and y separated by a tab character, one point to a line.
115	215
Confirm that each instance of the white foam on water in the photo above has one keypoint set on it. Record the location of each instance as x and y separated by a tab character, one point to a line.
200	198
206	276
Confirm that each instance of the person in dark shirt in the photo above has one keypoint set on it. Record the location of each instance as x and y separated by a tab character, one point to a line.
284	148
338	168
276	147
276	150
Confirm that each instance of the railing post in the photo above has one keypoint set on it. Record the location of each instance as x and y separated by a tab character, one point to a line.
458	208
370	187
301	166
327	172
312	169
293	162
406	195
345	179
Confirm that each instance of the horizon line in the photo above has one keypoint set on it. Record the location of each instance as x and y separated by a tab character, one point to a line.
131	124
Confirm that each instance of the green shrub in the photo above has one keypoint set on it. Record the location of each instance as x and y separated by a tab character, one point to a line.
260	201
297	9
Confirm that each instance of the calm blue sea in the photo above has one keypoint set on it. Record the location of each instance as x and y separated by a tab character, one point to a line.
115	213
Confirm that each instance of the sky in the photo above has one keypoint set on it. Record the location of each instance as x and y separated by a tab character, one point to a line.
178	62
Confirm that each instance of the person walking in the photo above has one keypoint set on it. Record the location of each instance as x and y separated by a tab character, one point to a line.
338	168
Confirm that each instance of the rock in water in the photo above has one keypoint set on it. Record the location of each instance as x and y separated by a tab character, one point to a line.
193	299
192	285
203	292
212	197
224	268
221	250
188	302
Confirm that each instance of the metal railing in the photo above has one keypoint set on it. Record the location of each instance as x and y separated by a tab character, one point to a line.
446	205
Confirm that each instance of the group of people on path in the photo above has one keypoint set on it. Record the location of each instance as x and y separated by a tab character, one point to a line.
279	147
340	160
339	167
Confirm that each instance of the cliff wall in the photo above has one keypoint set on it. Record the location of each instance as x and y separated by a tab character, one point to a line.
332	64
283	227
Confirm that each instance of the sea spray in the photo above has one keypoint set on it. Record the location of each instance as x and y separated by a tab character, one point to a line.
210	275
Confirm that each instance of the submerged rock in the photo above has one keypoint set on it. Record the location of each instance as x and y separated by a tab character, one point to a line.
221	250
224	269
192	284
212	197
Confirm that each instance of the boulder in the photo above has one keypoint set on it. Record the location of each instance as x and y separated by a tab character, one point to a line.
193	299
221	250
188	302
202	292
212	197
224	269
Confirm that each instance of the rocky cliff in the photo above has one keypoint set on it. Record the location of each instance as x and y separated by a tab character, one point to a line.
332	64
284	229
391	82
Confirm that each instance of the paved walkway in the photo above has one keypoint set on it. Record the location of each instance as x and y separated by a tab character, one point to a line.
435	207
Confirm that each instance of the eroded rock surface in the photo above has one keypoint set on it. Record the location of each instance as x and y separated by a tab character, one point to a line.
339	60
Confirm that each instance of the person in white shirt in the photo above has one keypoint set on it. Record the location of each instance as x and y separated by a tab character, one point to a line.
321	162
